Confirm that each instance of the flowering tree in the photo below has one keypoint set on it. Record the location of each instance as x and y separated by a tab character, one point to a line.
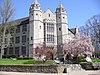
47	52
80	45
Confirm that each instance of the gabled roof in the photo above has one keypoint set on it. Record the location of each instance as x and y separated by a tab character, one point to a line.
48	10
72	30
21	21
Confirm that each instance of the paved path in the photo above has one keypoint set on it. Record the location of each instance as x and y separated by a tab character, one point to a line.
71	73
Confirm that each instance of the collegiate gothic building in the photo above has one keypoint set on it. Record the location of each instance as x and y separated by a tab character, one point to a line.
38	28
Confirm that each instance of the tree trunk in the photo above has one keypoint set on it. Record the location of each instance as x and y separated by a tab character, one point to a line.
3	42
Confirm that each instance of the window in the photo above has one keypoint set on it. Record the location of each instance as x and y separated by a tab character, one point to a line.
50	38
27	39
50	27
11	50
24	39
5	51
40	27
12	39
17	39
37	6
63	9
58	9
31	38
24	28
23	50
18	29
17	50
49	15
11	31
36	14
60	29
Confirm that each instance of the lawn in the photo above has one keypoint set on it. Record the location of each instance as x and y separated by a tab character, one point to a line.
95	60
10	61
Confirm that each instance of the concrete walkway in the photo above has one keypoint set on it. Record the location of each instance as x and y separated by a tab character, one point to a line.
71	73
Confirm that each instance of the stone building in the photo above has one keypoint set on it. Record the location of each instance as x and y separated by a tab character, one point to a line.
38	28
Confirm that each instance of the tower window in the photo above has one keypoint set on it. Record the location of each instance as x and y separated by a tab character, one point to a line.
36	4
31	38
31	7
49	15
40	27
36	14
63	17
60	29
63	9
59	17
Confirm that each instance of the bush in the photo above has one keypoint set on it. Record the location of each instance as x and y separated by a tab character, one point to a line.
39	62
87	65
9	56
24	58
78	59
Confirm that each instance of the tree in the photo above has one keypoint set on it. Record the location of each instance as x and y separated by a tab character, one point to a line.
92	29
44	51
6	13
80	45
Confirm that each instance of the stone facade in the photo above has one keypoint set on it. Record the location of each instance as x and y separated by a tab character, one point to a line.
40	27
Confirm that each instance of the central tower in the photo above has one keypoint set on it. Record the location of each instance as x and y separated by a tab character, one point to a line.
36	33
62	28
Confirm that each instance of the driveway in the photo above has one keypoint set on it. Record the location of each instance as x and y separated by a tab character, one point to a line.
71	73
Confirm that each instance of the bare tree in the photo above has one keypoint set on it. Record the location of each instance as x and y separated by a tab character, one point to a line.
6	13
92	29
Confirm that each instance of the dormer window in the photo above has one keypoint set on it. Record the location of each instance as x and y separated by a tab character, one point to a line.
37	6
31	7
49	15
63	10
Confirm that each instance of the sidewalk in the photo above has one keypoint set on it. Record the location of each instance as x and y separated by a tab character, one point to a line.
71	73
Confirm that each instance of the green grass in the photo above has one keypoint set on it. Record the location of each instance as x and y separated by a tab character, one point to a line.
10	61
39	62
96	60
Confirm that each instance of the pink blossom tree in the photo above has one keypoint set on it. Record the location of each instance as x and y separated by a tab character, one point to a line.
79	45
44	51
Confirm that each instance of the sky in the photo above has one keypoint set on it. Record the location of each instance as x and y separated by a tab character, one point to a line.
79	11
